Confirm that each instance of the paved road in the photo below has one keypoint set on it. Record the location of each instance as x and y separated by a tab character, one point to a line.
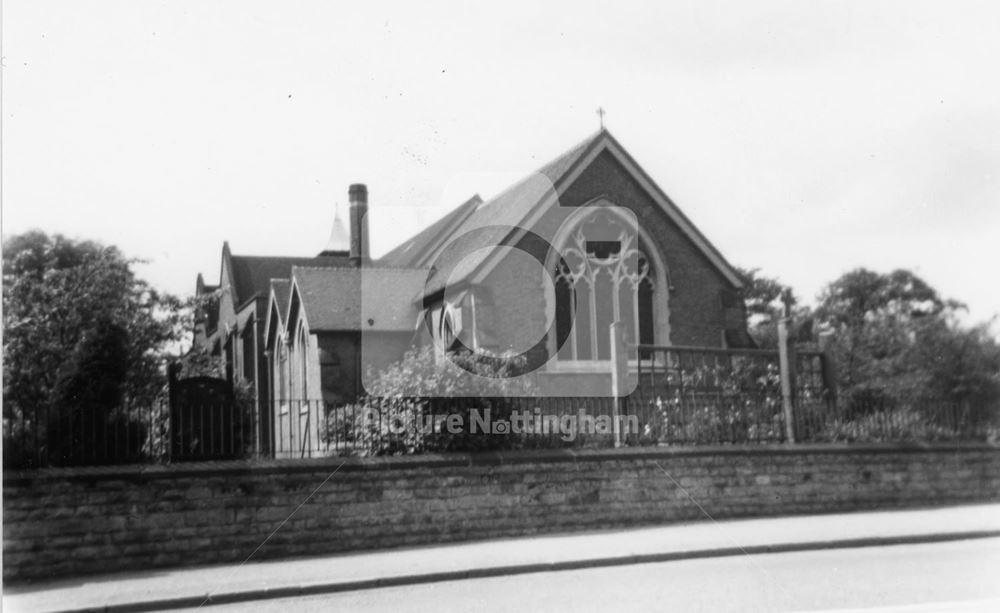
955	576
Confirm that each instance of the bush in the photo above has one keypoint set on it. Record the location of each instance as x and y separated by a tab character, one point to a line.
904	420
898	425
733	401
398	414
865	400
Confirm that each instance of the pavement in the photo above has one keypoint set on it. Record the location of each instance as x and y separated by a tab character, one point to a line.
206	585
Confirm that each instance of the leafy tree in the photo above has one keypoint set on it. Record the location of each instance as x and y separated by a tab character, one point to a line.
956	363
765	299
897	346
762	295
862	294
81	333
872	316
894	337
86	422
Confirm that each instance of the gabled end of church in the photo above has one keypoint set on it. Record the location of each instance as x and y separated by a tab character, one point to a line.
297	327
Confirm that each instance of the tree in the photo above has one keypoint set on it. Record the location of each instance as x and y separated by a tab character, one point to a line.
82	334
860	294
765	299
895	337
85	419
956	363
872	316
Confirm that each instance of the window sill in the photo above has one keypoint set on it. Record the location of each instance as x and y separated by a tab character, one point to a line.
593	366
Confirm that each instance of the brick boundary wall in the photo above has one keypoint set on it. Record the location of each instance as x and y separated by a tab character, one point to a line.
63	522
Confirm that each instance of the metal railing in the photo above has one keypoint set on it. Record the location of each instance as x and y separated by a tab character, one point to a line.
683	396
695	395
310	428
707	396
88	436
899	418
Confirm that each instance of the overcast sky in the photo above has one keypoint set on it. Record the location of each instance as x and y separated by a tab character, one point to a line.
805	138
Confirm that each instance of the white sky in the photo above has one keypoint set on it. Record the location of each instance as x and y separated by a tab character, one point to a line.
803	138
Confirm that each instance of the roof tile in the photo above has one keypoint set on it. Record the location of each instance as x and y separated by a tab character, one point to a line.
350	299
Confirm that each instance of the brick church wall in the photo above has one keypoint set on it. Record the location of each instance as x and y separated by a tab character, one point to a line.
697	315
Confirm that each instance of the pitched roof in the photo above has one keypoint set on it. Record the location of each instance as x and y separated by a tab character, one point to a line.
252	274
511	208
351	299
208	310
277	308
282	290
505	209
415	251
495	219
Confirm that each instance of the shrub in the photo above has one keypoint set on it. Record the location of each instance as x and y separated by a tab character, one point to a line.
397	415
733	401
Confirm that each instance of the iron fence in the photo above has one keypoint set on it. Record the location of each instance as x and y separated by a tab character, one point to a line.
85	436
899	418
390	426
694	395
705	396
683	396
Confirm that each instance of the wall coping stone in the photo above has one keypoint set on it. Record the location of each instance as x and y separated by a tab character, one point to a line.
144	472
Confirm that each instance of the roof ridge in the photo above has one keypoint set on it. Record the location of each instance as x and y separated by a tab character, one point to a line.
450	219
583	144
351	268
283	257
573	152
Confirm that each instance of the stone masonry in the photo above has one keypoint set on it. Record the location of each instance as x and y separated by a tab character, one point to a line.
62	522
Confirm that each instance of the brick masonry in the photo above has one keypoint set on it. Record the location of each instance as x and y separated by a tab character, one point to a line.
63	522
697	315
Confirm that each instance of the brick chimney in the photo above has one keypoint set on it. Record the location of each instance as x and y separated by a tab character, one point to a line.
358	195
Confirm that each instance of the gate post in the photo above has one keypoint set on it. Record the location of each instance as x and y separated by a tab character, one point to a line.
619	377
785	367
830	383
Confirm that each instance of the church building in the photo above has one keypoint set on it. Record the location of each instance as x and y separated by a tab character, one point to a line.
522	273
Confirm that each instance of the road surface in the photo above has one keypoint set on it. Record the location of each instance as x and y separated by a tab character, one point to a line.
953	576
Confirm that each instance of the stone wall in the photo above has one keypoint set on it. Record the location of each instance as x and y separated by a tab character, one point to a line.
61	522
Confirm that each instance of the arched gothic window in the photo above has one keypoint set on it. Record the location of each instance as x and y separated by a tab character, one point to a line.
600	282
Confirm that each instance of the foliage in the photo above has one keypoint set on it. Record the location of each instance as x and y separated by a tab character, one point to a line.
83	336
894	336
766	299
763	295
906	421
908	371
395	417
244	418
955	363
201	363
87	419
709	402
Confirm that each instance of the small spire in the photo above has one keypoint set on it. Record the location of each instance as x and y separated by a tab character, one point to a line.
600	115
340	240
